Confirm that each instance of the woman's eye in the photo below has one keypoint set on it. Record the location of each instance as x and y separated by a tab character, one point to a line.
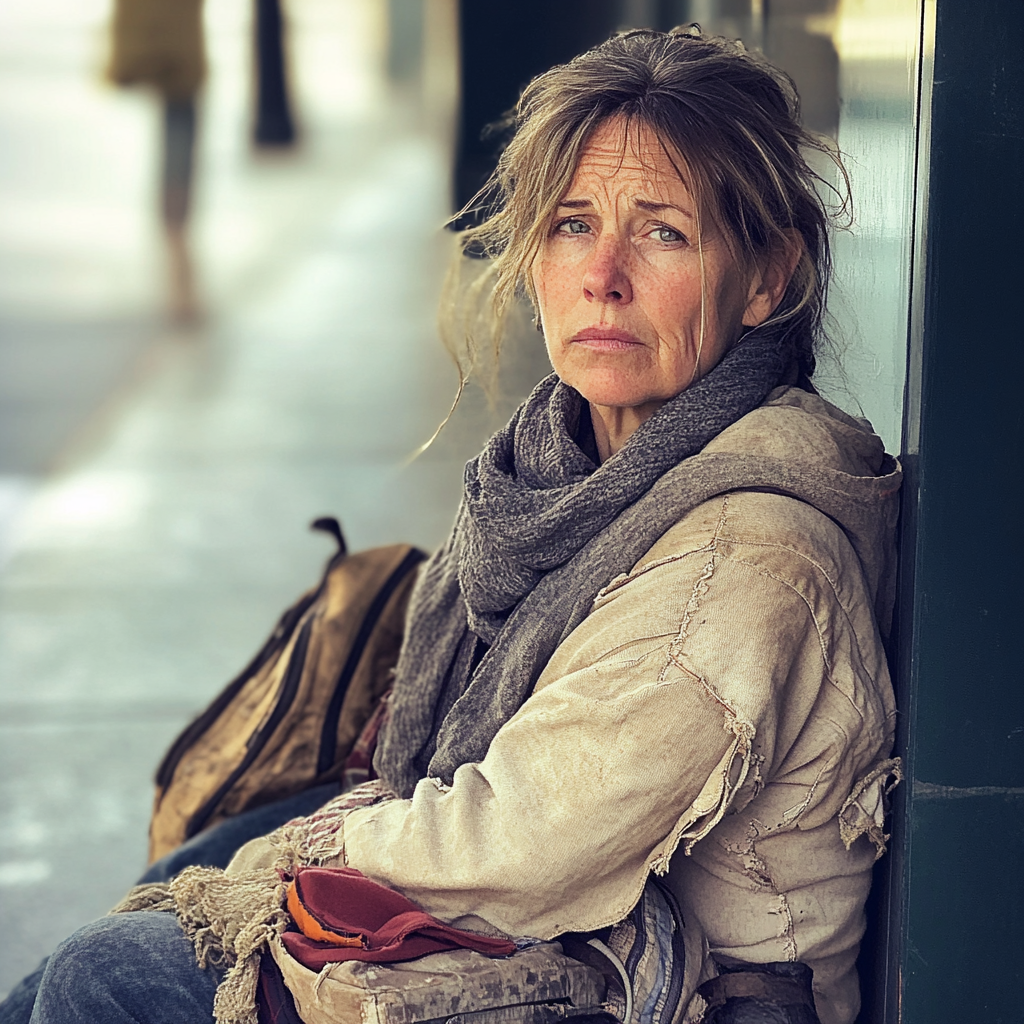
667	235
572	226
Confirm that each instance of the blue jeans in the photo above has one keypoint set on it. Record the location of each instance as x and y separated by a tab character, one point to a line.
213	848
126	969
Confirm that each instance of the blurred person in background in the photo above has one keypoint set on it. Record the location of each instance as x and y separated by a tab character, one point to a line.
652	645
274	125
160	44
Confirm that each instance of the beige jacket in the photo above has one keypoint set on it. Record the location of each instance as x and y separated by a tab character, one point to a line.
724	714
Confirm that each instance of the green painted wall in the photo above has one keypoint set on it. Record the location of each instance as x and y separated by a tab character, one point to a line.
958	869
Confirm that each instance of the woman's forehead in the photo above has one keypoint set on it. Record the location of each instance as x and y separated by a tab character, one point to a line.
625	154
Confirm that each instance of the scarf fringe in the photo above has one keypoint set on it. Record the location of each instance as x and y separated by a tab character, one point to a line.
231	920
156	896
319	838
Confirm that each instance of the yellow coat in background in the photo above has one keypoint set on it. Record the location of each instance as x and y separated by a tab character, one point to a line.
158	43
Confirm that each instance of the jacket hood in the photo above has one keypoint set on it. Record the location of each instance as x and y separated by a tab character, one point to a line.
811	450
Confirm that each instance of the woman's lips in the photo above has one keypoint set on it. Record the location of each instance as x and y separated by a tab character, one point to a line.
605	339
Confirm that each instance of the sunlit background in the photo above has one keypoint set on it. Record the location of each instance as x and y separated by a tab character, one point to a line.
157	475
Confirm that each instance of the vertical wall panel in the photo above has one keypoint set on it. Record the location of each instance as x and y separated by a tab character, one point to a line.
962	827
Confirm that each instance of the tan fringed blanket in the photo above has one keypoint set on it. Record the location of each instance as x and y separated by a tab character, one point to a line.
233	917
231	920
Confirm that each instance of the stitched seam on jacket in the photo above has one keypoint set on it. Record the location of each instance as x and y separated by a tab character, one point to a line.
674	655
626	578
713	549
612	652
742	729
621	581
700	588
773	545
853	632
757	871
792	815
817	628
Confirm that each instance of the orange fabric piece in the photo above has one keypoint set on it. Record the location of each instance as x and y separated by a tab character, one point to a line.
311	927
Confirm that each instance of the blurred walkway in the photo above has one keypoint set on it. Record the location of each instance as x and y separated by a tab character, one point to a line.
146	569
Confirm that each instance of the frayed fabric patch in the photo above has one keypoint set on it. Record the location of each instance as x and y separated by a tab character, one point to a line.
760	877
708	809
865	808
230	920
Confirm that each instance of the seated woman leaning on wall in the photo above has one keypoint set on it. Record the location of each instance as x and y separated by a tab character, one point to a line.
652	645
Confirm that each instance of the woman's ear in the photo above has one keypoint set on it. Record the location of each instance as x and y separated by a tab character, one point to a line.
769	283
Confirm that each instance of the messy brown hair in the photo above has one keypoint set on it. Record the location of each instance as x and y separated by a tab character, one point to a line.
730	117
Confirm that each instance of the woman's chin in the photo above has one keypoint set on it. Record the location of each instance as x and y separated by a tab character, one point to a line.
625	382
611	390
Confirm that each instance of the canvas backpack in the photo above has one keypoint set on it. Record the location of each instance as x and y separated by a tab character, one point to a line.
290	718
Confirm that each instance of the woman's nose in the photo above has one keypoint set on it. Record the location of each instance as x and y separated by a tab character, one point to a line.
605	278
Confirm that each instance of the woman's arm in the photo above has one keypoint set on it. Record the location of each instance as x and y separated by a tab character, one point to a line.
638	735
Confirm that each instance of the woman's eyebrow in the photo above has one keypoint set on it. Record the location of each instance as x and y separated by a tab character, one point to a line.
643	204
650	207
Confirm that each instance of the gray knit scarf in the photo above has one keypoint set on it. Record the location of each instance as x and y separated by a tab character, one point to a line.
540	530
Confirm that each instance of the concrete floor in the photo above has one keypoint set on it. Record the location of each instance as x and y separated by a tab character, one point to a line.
158	483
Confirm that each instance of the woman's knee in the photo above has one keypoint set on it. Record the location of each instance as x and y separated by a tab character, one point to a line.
126	969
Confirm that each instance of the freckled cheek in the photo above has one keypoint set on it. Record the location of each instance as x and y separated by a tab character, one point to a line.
557	288
671	306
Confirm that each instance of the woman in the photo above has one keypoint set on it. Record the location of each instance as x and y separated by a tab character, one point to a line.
652	643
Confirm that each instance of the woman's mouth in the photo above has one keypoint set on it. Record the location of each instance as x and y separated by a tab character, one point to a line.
605	339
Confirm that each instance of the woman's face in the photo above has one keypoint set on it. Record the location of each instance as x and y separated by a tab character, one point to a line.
619	278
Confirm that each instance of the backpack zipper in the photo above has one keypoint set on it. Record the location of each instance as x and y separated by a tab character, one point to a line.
329	731
277	639
259	739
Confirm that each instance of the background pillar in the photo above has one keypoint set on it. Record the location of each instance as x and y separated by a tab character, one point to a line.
957	899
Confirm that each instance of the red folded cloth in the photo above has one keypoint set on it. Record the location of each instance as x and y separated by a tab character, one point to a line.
342	915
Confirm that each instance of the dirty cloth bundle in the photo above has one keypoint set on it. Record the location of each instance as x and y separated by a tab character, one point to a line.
343	915
541	529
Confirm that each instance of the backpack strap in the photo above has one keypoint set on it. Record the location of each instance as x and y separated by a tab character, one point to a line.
328	524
